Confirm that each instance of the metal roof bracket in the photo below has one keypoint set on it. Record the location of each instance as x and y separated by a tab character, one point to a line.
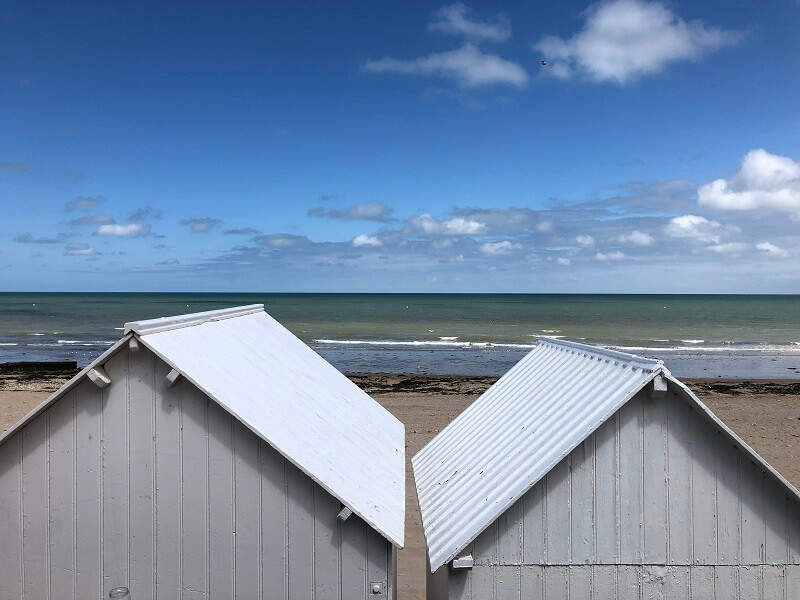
344	513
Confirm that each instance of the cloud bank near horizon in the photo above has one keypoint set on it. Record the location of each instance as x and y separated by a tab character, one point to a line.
708	232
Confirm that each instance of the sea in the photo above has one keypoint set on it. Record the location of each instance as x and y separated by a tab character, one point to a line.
726	336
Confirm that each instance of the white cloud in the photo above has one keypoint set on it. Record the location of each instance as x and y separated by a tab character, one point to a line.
623	40
545	227
585	240
772	250
426	223
564	262
201	224
468	66
462	226
637	238
696	227
764	181
457	19
80	250
168	261
729	248
617	255
118	230
363	240
503	248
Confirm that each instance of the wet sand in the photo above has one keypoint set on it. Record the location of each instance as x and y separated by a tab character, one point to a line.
765	413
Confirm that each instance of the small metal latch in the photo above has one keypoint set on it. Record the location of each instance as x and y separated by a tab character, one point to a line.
120	592
376	587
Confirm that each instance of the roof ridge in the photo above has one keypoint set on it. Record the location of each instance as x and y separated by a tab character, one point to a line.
189	320
634	360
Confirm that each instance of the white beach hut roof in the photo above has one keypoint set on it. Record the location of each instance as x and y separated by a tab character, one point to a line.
290	397
521	428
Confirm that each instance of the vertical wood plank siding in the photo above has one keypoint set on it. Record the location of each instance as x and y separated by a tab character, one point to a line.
655	504
159	489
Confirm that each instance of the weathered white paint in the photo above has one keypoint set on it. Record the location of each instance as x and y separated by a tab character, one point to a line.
177	322
522	427
463	562
660	501
99	377
667	439
293	399
172	377
162	490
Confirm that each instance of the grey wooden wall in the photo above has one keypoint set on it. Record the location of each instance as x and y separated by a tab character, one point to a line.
161	490
655	504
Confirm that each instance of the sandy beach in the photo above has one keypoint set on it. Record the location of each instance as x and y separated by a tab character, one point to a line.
765	413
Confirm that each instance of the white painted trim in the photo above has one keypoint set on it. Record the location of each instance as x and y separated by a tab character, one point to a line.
634	360
659	387
99	377
177	322
171	378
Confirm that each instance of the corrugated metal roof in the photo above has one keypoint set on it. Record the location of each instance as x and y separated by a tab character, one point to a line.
522	427
518	430
296	401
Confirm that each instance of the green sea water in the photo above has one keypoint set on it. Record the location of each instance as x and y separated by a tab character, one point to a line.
50	326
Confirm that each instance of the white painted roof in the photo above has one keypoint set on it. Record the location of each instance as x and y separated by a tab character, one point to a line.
296	401
522	427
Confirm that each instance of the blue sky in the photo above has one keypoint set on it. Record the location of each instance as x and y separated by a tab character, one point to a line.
401	146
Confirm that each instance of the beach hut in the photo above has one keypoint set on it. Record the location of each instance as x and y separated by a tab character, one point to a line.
211	455
588	473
